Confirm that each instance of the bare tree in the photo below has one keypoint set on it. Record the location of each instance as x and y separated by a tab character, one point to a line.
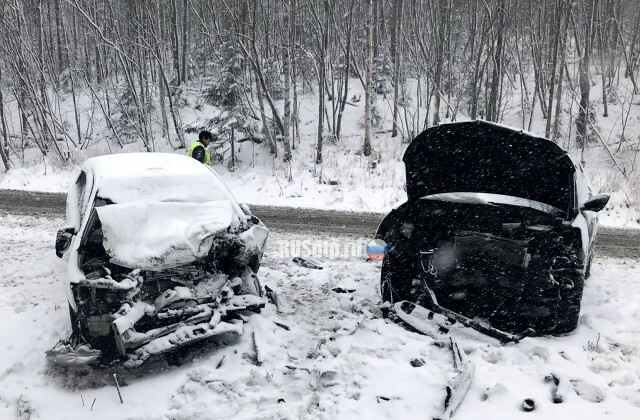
396	56
286	69
366	147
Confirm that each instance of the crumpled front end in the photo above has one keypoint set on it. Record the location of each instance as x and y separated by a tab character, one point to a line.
513	267
192	279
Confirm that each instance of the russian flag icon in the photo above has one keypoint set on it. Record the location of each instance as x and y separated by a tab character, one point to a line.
377	250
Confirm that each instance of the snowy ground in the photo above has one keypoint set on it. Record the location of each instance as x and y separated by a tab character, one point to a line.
335	361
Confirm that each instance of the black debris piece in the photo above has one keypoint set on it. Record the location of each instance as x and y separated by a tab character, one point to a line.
528	405
307	263
342	290
417	362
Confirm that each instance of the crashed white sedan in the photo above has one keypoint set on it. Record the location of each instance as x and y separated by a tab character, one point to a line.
160	256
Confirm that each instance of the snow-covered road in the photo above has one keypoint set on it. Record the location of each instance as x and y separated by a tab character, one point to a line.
334	361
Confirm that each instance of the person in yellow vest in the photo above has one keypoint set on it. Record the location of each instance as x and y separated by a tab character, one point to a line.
198	149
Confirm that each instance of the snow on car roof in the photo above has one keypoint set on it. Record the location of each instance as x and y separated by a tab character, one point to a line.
136	165
127	177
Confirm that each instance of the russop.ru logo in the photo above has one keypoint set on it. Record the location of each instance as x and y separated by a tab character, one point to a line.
311	248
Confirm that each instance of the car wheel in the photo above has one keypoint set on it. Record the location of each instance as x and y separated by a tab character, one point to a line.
571	276
393	285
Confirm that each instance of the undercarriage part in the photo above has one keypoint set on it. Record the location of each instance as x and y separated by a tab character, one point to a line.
459	386
435	320
151	313
274	297
70	353
307	263
422	321
183	336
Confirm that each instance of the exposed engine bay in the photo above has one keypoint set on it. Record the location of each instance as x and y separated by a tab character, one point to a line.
507	265
133	314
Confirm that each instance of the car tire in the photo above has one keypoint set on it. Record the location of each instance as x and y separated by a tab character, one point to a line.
392	287
570	292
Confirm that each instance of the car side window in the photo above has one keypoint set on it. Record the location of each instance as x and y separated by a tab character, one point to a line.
81	187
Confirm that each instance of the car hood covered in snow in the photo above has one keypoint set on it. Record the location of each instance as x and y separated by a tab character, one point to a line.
483	157
158	235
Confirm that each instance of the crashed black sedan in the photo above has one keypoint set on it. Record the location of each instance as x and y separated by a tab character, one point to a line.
160	256
499	226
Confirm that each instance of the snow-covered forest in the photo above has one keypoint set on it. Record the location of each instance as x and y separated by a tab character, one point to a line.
324	92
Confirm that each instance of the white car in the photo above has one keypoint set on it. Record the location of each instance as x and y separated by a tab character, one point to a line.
160	256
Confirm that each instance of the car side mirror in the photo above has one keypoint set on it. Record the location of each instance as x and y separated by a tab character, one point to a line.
245	209
595	203
63	240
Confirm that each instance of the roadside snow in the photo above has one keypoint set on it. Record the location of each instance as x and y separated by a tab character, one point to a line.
335	361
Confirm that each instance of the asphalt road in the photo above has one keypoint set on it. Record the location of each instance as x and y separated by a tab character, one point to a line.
616	243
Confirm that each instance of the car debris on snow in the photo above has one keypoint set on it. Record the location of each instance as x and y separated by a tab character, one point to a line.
274	298
307	263
457	390
528	405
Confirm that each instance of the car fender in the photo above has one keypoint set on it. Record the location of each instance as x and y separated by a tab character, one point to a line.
581	223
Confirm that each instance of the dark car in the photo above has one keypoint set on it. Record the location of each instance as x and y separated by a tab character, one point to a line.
499	226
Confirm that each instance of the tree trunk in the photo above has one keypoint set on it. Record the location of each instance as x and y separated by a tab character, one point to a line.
4	141
563	55
493	105
321	81
396	56
185	31
347	71
366	148
286	69
173	5
554	64
582	122
440	41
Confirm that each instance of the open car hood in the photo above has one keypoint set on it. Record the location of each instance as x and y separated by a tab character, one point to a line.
160	235
483	157
487	199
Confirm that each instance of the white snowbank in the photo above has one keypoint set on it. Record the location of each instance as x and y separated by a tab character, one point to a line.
154	235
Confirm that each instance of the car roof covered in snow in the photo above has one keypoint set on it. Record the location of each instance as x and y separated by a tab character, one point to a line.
127	177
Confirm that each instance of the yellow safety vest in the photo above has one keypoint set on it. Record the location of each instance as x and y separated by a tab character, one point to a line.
207	156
